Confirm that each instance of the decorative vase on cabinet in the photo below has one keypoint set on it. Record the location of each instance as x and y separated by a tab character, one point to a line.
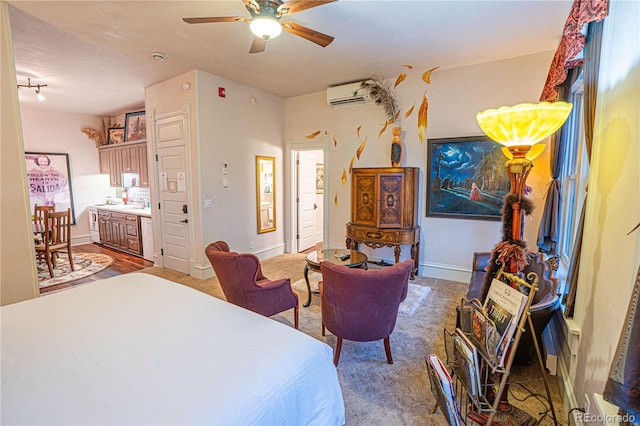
396	147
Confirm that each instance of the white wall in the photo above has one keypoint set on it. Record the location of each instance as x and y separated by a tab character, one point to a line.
59	132
455	97
228	130
610	257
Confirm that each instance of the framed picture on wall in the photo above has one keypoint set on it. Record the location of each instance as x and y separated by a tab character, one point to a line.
319	178
135	125
116	135
466	178
49	181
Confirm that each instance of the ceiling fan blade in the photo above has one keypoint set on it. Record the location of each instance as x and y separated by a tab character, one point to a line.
307	33
258	45
295	6
252	5
215	19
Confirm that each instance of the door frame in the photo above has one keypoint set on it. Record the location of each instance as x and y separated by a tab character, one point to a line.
291	243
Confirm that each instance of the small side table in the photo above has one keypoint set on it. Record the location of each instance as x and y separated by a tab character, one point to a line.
349	258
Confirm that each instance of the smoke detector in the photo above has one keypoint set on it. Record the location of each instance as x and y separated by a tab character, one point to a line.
158	56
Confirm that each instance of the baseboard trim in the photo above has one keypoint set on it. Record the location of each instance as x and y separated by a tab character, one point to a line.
445	272
206	271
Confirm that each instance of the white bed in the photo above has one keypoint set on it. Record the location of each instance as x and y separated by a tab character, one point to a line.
138	349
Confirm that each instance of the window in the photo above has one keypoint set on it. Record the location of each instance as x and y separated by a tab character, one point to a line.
574	176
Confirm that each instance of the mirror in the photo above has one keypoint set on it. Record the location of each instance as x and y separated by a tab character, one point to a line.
266	193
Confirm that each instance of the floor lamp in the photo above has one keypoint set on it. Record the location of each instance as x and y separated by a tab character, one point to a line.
519	129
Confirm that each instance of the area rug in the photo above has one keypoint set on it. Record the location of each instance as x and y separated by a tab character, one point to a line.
416	293
85	264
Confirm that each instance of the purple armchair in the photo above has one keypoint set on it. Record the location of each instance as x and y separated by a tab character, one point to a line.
243	284
362	305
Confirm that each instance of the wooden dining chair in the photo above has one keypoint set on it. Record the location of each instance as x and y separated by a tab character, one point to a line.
39	211
57	238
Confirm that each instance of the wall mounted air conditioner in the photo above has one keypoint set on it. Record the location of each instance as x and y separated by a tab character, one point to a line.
348	94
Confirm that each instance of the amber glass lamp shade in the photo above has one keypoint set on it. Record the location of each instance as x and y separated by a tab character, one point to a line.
523	125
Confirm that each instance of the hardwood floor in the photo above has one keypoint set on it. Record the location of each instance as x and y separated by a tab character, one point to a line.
123	264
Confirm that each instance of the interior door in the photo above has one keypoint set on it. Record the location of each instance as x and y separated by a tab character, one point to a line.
306	197
173	194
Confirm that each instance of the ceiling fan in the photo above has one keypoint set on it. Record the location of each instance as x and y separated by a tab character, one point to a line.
265	21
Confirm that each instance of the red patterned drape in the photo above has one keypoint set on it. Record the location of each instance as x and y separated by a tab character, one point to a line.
572	42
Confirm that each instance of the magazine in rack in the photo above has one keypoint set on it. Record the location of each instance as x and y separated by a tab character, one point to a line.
466	363
490	327
504	305
442	388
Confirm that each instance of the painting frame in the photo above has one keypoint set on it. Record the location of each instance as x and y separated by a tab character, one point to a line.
115	135
466	178
266	193
319	178
135	125
49	183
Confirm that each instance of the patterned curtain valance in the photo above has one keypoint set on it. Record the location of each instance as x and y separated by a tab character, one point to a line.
572	43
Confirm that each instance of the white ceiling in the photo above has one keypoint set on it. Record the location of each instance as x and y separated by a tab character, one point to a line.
95	56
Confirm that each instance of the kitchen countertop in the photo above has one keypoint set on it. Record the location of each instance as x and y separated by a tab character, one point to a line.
126	208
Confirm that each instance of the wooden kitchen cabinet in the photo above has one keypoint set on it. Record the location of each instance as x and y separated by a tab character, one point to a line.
124	158
143	167
120	231
384	206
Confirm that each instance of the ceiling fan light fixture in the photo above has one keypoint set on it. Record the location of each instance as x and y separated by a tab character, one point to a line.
266	27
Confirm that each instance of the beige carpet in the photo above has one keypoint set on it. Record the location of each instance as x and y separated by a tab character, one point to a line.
84	264
375	392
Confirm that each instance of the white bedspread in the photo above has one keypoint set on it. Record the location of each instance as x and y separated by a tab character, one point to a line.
138	349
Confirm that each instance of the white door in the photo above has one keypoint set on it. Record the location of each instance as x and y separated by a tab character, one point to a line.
173	197
306	198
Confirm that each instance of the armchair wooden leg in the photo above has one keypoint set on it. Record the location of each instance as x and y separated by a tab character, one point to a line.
323	333
295	316
336	355
387	349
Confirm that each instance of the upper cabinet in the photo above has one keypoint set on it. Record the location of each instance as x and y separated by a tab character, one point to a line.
128	157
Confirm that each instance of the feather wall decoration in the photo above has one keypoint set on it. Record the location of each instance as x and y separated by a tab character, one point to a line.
408	66
344	176
335	200
384	128
382	94
351	164
426	77
335	141
358	130
408	113
361	147
422	118
402	77
313	135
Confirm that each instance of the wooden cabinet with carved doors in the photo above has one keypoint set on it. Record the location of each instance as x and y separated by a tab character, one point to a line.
384	206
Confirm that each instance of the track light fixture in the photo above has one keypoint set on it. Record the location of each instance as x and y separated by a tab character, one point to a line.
34	86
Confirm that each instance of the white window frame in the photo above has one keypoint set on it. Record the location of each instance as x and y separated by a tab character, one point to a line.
574	178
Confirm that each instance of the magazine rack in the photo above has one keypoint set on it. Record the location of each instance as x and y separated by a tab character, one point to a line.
495	357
